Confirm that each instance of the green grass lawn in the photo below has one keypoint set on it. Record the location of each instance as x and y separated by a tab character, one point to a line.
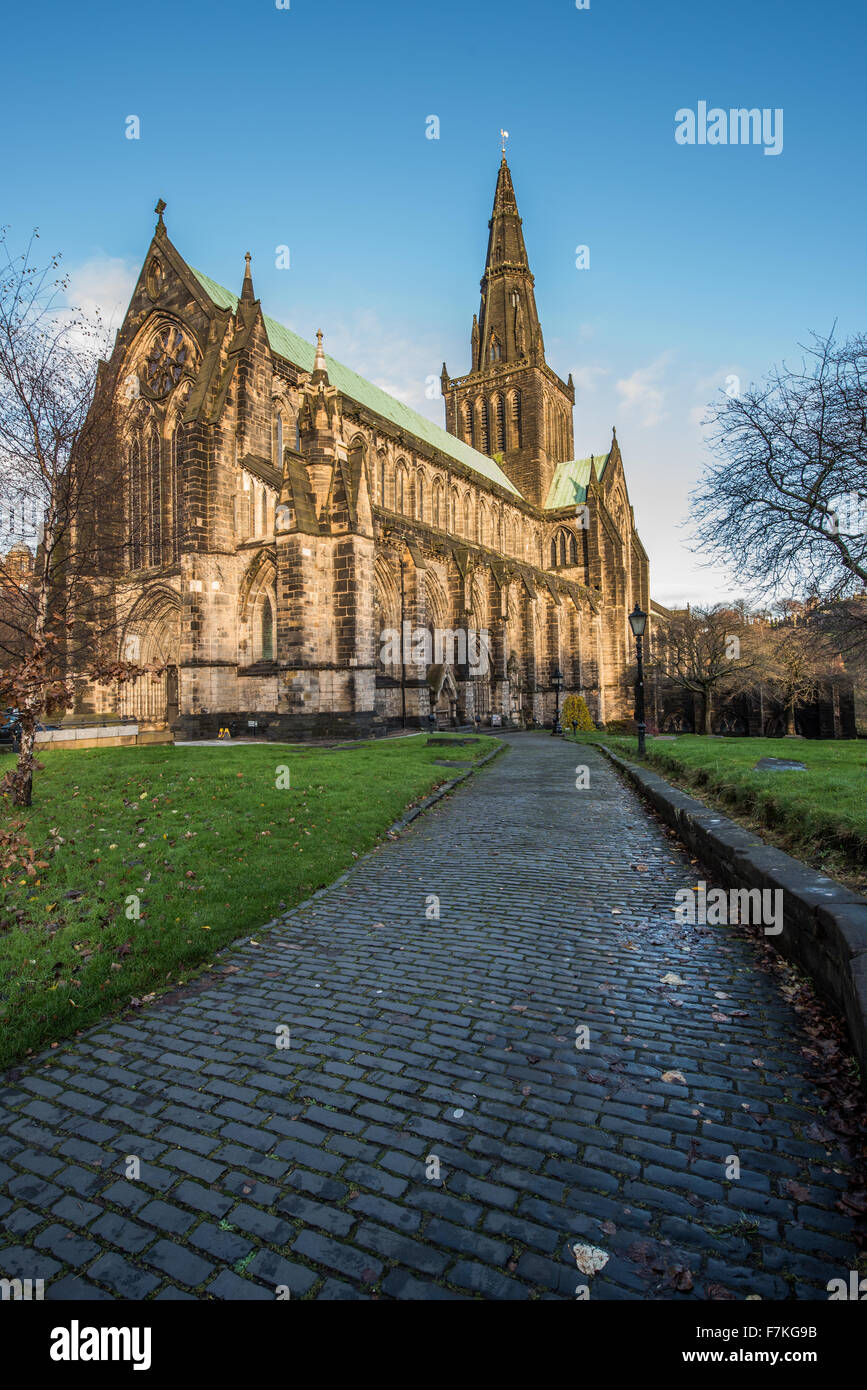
202	842
819	815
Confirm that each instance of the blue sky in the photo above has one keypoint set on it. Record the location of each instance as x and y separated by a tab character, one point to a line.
306	127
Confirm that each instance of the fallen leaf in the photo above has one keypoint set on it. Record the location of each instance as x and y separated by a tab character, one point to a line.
590	1259
671	1076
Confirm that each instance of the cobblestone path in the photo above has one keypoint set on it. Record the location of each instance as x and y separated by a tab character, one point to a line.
414	1039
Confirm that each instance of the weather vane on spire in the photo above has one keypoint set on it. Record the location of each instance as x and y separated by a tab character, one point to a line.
504	135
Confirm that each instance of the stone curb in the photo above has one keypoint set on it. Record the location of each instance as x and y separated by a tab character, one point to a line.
824	923
442	791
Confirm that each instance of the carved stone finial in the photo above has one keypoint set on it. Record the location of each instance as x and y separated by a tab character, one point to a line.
319	364
159	210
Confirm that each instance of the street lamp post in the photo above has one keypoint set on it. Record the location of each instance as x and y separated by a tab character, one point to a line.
558	686
638	622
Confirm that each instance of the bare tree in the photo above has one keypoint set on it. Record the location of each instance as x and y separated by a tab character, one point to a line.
794	658
787	499
58	623
705	650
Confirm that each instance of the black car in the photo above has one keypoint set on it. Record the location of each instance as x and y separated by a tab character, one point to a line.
10	731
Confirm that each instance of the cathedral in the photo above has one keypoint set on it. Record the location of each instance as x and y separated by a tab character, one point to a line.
306	556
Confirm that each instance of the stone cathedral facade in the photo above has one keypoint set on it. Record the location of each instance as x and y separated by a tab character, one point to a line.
288	522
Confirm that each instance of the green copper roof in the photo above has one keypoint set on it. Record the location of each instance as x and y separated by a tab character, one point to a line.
569	484
301	353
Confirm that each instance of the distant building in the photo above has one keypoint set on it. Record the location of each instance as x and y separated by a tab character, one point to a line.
18	564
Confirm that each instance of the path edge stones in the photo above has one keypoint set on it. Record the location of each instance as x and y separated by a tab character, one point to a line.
442	791
824	923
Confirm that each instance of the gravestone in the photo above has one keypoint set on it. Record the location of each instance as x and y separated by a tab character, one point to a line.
779	765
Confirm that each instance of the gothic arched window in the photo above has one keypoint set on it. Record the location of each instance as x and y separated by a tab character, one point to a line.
137	502
500	423
467	517
156	497
266	630
419	496
176	493
573	550
467	422
554	553
517	427
562	547
484	432
277	441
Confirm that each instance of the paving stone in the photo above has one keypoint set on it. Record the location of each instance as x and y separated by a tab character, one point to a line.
127	1235
20	1220
392	1246
467	1242
227	1246
333	1290
400	1284
127	1281
325	1218
484	1280
69	1247
343	1259
180	1264
261	1224
231	1286
166	1217
274	1271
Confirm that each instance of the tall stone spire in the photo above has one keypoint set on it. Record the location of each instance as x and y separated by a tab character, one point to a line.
508	321
511	405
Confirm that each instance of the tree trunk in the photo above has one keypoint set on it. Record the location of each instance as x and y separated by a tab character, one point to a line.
790	719
706	723
22	778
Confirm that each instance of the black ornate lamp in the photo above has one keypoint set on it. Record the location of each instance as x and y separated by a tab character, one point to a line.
638	623
557	680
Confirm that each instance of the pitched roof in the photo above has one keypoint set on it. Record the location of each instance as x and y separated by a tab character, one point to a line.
301	354
569	483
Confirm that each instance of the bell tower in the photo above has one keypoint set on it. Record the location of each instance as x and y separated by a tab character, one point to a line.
511	405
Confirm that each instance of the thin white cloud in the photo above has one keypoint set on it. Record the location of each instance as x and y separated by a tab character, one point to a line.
397	361
104	285
642	392
587	379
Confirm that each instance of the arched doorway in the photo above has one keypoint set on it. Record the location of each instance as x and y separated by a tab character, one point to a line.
151	638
